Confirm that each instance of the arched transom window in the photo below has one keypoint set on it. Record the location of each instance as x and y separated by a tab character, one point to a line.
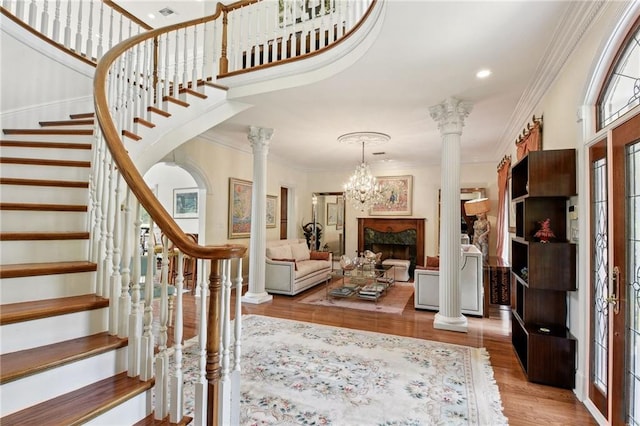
621	91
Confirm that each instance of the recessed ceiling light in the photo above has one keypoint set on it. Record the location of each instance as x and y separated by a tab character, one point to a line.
151	16
483	73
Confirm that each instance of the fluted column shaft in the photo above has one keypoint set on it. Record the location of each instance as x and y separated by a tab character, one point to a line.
450	116
259	138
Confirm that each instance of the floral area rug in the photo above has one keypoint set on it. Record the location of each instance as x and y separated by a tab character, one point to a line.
297	373
393	301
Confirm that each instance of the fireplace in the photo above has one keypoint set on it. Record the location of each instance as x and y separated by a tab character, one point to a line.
396	238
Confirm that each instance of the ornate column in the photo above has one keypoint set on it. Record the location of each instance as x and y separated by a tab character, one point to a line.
450	116
259	138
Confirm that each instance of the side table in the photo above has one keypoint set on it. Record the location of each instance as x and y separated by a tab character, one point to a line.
497	273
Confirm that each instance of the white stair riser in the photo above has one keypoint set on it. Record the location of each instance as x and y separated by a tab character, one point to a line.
43	251
28	171
45	153
44	194
49	138
129	412
45	331
25	289
31	390
39	221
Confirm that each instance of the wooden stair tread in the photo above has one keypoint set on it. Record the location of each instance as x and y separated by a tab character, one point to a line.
81	405
151	421
17	365
27	311
43	182
40	144
69	132
43	207
45	162
144	122
211	84
17	270
41	236
131	135
73	122
158	111
82	115
193	93
175	101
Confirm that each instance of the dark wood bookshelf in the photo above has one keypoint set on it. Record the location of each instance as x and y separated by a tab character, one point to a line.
542	272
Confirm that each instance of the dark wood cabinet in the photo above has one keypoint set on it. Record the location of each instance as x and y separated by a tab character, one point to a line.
542	272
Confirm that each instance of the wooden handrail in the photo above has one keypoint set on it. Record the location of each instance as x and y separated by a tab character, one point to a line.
125	165
126	13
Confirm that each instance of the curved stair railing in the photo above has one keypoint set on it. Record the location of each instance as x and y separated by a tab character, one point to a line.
139	79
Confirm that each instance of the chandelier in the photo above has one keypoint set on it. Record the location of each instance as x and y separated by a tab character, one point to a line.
362	188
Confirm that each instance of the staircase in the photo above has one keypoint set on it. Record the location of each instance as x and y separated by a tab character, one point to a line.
59	364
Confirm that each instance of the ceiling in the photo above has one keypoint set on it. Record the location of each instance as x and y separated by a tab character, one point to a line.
426	52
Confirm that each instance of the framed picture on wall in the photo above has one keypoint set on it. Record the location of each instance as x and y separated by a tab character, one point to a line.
332	214
272	210
239	208
340	213
185	203
397	196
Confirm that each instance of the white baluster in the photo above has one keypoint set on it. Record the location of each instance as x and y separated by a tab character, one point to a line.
125	296
89	50
166	84
249	53
147	81
200	410
44	19
33	13
225	324
120	29
100	32
283	34
135	317
108	223
67	27
79	30
205	52
176	66
130	83
162	359
94	224
185	61
56	23
111	29
20	9
194	68
237	340
148	341
116	255
177	381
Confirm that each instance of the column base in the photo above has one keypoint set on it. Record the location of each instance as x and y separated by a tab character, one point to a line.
442	322
256	298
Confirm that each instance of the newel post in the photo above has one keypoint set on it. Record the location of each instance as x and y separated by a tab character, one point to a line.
213	342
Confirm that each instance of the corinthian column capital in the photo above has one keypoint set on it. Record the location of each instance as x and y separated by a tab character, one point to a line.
450	115
259	137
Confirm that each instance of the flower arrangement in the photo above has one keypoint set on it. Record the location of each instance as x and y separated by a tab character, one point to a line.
545	233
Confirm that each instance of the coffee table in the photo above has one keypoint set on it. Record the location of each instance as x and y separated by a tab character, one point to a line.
368	282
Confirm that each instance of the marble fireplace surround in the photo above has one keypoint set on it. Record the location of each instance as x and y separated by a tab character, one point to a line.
397	238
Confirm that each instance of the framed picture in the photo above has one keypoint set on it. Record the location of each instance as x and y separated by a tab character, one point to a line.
185	203
340	214
239	208
332	214
272	210
397	196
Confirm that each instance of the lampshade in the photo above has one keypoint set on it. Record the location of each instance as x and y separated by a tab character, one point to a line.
477	206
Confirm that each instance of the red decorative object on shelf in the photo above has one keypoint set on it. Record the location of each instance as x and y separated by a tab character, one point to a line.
545	233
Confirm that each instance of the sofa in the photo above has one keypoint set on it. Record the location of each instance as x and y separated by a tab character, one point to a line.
292	268
427	283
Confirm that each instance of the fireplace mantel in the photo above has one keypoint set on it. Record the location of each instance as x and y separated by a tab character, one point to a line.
393	225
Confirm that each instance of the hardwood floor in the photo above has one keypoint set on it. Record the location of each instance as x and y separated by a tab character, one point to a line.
524	403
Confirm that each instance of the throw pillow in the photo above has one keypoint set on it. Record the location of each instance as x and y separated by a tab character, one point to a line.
288	260
300	251
280	252
319	255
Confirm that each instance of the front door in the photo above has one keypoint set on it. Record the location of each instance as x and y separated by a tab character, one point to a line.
615	276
